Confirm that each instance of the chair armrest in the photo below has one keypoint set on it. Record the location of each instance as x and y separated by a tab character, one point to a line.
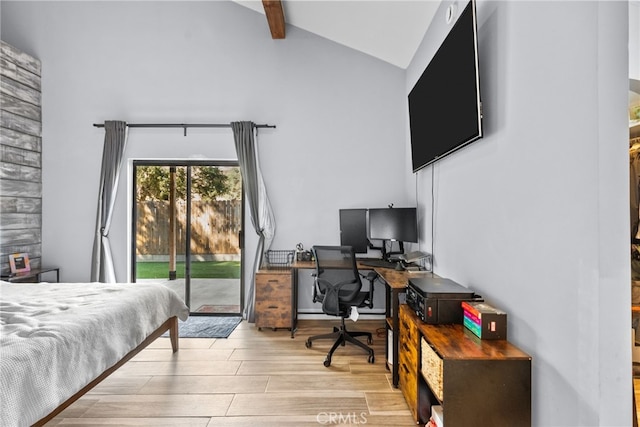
371	277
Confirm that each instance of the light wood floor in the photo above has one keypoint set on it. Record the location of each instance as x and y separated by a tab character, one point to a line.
253	378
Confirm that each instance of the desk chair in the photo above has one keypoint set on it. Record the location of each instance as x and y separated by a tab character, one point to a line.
338	286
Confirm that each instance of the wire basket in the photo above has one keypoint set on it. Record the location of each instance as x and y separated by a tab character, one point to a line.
278	259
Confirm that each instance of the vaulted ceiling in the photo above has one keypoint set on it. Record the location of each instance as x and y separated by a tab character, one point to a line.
390	30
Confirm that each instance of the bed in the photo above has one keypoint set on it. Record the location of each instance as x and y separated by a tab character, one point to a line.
59	340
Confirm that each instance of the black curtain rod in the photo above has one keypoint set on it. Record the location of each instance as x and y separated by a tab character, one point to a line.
182	125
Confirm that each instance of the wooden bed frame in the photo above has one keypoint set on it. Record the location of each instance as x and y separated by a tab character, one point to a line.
170	325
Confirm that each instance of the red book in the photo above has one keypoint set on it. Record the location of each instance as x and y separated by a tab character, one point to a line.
472	317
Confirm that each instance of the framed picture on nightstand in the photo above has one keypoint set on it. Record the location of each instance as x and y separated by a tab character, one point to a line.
19	263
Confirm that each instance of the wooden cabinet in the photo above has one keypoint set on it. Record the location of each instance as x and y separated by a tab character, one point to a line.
275	299
477	382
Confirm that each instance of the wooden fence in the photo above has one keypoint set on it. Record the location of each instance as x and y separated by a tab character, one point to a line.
215	227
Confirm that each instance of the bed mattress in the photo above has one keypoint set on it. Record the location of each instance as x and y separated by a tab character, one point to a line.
57	338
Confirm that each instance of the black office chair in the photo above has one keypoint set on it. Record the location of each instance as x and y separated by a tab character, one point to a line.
338	285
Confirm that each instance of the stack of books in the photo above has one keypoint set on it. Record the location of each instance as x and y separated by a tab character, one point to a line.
484	321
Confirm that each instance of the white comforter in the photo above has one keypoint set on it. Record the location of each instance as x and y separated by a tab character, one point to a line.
56	338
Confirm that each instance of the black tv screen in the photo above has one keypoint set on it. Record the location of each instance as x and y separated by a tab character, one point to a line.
444	105
398	224
353	229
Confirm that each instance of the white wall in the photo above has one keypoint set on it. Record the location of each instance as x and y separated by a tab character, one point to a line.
338	112
533	216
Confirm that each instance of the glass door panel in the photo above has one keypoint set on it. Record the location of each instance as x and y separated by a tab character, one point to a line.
187	227
216	222
159	226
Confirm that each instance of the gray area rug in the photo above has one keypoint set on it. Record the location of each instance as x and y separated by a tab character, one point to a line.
208	326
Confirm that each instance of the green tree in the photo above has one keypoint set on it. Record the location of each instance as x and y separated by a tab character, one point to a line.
152	183
207	183
234	183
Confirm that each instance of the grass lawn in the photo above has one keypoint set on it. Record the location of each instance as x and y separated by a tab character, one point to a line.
199	270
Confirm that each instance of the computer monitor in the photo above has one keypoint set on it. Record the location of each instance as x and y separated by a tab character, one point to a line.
353	229
395	224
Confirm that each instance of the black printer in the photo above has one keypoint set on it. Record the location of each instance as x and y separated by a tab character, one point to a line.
437	300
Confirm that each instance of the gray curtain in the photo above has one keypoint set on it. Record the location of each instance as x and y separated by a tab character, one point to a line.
115	140
245	135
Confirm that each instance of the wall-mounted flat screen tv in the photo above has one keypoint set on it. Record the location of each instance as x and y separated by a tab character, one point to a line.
444	105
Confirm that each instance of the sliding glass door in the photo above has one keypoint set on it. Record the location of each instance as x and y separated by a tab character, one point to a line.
187	232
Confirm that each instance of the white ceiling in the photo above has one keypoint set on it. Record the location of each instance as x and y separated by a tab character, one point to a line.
390	30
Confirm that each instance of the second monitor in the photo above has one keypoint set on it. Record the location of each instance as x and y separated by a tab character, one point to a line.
395	224
359	226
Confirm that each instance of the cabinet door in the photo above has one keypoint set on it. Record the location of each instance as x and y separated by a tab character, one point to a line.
497	392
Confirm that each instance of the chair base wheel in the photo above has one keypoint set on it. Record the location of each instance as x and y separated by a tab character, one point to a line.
341	337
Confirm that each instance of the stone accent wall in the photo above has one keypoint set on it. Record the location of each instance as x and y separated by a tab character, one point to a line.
20	156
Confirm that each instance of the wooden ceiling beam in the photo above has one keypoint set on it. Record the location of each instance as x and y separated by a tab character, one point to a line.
275	17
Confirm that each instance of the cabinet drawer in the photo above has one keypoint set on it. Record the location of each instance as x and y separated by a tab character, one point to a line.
284	277
273	285
408	328
431	369
409	350
411	367
272	316
273	292
408	383
273	309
